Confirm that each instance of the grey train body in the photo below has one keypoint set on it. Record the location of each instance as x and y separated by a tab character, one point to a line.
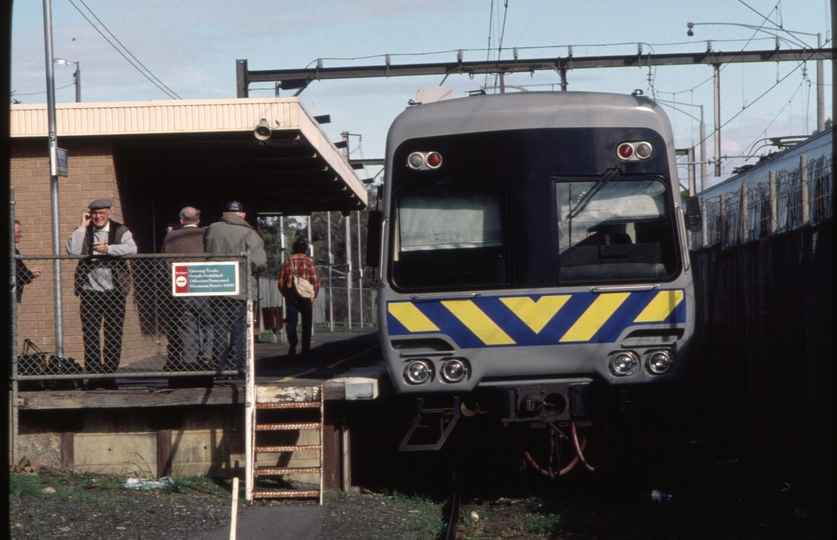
533	242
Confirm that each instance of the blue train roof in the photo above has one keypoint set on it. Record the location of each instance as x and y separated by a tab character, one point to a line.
814	147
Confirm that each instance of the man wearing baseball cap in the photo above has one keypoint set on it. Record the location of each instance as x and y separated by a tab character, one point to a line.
102	282
231	235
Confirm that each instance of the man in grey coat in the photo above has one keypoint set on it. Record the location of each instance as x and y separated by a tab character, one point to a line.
231	235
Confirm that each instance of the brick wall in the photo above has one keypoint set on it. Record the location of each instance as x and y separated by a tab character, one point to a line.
92	176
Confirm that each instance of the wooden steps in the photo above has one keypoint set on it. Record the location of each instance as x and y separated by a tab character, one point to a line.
288	448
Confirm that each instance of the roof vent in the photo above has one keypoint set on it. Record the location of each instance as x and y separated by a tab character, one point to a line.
431	94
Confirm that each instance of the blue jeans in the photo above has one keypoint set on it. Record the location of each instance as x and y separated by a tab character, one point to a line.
294	308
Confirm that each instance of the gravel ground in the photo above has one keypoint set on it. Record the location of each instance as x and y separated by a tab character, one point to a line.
73	506
51	505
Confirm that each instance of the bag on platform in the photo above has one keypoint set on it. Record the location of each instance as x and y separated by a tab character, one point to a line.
65	366
34	361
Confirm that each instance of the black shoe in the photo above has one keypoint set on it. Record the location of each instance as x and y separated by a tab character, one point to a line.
101	384
292	352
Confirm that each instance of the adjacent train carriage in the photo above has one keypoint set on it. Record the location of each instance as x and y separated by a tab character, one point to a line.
781	192
532	244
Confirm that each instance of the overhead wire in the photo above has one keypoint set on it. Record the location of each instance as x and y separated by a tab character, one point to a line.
791	33
42	91
144	71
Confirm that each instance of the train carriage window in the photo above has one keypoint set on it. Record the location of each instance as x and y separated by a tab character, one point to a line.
613	231
449	237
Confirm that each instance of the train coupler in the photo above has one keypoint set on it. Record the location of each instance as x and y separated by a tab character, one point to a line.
447	419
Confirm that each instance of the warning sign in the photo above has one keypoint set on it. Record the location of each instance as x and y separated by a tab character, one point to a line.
204	279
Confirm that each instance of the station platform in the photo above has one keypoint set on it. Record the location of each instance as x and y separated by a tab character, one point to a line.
148	429
348	365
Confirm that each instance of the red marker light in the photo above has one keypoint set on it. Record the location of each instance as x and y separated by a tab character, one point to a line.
625	150
434	160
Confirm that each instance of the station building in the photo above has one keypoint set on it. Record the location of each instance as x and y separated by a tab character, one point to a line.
151	159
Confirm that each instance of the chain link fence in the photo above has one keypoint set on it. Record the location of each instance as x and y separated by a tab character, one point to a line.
334	305
132	316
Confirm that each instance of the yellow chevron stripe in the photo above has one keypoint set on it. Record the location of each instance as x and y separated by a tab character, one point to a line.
660	307
596	315
478	322
535	314
410	316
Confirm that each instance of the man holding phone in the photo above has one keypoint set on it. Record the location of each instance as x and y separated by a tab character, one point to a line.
102	282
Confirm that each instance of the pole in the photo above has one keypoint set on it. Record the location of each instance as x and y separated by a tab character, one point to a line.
14	410
345	137
249	387
349	268
234	509
717	79
77	79
360	274
820	88
330	263
690	156
53	167
702	151
283	336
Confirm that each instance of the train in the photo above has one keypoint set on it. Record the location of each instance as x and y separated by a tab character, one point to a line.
530	248
794	184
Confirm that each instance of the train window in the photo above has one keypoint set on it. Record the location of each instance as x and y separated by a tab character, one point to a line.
449	237
614	230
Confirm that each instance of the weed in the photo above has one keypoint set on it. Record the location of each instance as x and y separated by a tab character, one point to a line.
544	524
175	486
24	485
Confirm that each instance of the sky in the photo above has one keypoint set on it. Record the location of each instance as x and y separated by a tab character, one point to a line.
191	48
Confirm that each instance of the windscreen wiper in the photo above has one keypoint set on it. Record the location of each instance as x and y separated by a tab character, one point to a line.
585	200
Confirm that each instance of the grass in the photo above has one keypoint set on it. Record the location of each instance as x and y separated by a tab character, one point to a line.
85	505
78	485
24	485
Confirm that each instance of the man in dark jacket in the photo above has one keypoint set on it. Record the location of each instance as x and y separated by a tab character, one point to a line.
23	275
191	331
231	235
102	283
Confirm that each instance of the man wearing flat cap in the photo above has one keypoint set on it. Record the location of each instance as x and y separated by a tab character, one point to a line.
102	282
230	235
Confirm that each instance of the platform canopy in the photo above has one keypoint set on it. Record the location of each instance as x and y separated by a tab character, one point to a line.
178	147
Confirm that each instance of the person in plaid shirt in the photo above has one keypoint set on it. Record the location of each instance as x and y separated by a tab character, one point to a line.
303	266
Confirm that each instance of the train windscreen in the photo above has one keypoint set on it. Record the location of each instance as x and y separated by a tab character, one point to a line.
614	229
450	237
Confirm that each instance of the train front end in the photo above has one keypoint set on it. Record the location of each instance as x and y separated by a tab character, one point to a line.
533	245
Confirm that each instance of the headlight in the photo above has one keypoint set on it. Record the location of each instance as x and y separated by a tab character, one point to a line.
418	372
623	363
659	362
453	370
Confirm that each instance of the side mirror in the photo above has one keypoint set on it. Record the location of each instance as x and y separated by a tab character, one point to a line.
373	238
692	205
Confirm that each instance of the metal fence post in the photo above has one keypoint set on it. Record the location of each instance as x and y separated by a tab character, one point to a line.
803	185
13	410
249	380
774	218
745	222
